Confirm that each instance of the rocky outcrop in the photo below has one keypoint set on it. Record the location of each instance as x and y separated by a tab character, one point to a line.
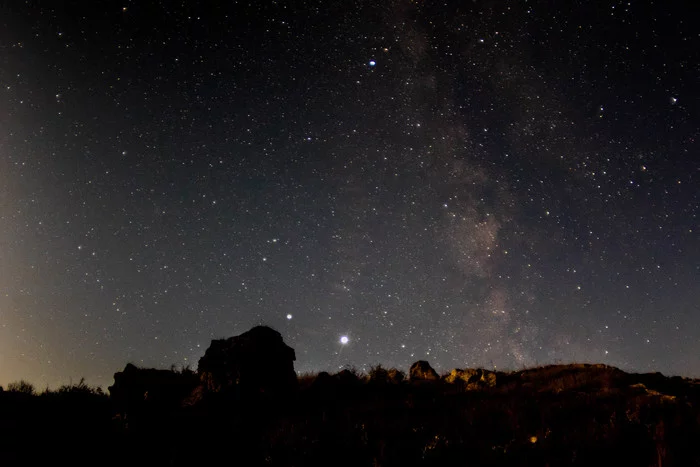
134	388
472	379
639	388
253	363
422	371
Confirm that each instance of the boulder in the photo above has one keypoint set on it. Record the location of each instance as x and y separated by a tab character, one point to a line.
422	371
472	378
254	363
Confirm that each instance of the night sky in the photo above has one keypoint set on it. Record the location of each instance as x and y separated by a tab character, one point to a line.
473	183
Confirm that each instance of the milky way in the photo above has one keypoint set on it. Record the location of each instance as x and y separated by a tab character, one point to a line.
495	184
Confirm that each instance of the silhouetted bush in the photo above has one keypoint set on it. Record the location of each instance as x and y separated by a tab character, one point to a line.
22	387
305	380
350	376
80	388
380	375
136	390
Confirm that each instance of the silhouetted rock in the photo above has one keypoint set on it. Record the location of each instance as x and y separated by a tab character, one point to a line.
422	371
472	378
134	387
254	363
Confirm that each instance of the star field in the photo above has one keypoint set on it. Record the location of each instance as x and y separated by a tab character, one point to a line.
470	183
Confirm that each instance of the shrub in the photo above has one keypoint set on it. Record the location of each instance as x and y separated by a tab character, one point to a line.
81	388
305	380
378	374
21	386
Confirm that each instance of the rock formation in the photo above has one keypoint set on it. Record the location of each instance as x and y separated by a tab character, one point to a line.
472	378
253	363
422	371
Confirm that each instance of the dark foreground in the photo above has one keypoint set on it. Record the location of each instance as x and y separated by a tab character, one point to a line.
557	415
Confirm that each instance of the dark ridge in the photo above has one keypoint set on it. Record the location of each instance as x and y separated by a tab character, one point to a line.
242	407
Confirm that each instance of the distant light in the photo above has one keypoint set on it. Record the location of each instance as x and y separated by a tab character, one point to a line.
344	340
673	100
289	316
372	63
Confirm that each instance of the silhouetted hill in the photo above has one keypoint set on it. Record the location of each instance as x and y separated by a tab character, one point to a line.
552	415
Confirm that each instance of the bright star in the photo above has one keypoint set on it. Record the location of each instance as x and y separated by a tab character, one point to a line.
289	316
372	63
344	340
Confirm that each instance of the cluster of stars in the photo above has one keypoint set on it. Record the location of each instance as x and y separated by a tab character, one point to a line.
475	186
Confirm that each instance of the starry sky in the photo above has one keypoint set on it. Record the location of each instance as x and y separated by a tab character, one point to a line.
473	183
